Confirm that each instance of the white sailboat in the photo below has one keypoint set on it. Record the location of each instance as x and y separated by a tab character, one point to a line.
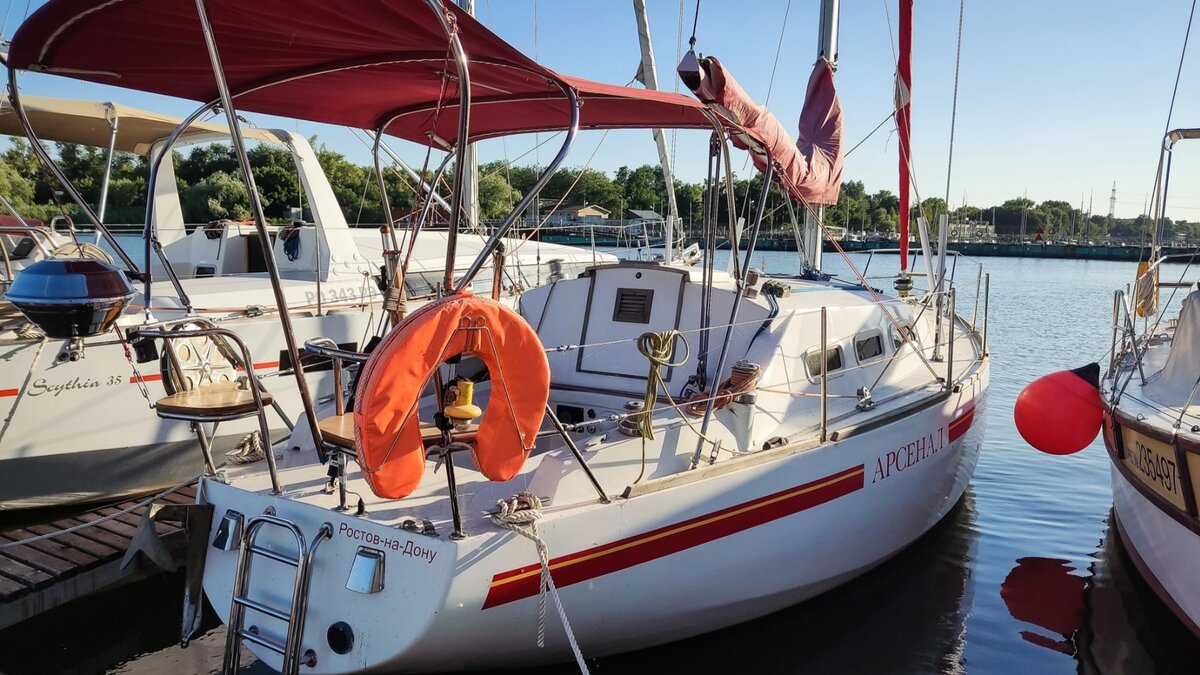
686	448
210	274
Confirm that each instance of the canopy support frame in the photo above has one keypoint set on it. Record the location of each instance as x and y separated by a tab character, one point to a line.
260	224
36	143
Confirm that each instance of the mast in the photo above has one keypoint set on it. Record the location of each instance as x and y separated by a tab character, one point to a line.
904	121
648	76
470	197
827	48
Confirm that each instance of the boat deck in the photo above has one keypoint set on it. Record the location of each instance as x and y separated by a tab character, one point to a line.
73	556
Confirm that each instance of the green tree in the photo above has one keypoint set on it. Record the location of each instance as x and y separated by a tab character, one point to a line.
216	196
496	197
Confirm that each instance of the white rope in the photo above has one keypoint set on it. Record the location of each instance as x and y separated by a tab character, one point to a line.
28	331
525	509
105	519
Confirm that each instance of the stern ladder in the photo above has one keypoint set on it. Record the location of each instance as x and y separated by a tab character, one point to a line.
294	617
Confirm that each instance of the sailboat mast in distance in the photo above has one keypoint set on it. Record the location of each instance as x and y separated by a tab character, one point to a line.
904	119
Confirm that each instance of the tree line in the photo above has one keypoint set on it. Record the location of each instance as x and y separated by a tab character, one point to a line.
210	188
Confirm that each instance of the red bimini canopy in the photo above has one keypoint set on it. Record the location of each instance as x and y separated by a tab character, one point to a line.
361	64
374	64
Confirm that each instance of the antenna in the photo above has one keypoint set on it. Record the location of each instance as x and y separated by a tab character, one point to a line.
1112	205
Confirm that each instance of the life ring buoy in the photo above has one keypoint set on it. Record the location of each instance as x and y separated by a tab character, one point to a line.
387	429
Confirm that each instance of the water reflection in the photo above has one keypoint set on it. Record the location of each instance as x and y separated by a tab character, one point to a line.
1107	619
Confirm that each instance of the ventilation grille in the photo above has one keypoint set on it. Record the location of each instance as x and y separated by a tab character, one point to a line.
633	305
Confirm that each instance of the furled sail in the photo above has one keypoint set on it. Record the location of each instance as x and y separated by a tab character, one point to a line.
904	120
811	168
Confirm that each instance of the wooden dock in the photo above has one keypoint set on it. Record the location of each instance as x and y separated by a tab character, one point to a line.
58	566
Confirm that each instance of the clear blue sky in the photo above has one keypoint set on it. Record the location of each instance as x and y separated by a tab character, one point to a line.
1059	99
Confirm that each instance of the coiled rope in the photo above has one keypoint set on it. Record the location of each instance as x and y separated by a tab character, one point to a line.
521	515
743	378
658	348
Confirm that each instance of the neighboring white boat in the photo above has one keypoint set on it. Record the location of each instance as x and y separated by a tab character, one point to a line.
111	446
1146	405
1152	427
686	448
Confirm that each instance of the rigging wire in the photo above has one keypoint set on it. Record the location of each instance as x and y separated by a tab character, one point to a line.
1170	112
4	26
778	48
954	104
1162	313
695	22
872	132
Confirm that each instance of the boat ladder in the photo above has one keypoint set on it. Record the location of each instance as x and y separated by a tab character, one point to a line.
294	617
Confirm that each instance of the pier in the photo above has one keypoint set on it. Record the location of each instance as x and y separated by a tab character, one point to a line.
45	566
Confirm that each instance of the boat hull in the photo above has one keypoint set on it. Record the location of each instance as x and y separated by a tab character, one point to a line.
1163	549
83	430
663	565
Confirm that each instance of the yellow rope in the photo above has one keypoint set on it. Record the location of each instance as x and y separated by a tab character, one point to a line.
658	348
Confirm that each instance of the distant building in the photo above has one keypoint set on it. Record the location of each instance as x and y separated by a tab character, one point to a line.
568	214
641	214
971	230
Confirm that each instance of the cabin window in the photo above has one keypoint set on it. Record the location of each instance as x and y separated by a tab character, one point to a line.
833	361
868	345
898	334
633	305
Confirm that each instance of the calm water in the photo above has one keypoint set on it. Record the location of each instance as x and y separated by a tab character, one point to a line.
1024	576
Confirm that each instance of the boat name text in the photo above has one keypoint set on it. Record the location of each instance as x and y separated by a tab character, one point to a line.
405	547
40	386
908	454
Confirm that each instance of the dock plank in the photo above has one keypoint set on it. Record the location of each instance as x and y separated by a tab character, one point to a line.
32	557
92	547
23	574
116	542
134	518
114	526
185	496
68	564
10	589
54	547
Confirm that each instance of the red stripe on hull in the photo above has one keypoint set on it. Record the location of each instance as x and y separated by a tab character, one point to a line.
588	564
960	426
156	377
9	392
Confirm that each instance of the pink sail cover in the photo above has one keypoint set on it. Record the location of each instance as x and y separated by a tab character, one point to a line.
811	168
904	120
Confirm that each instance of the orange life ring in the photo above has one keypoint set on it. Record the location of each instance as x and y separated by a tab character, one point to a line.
387	429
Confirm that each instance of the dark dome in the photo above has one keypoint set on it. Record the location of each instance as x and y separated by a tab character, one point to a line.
69	298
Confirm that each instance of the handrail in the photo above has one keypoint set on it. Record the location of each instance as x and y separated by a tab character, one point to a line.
36	144
913	254
1193	256
320	347
28	231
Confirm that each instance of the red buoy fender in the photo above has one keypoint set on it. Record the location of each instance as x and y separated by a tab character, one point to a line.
387	430
1061	413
